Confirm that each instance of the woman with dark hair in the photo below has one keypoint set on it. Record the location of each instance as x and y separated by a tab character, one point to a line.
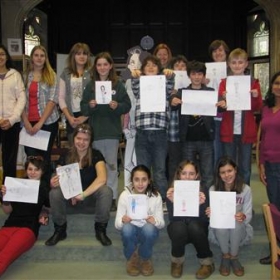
106	119
12	103
21	228
140	235
218	51
268	142
93	177
186	230
228	179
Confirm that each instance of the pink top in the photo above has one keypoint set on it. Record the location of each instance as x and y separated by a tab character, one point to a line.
270	136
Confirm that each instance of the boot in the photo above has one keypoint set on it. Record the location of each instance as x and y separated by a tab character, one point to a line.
146	267
177	266
59	234
132	265
100	234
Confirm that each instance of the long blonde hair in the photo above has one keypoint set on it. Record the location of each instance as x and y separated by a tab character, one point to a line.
48	75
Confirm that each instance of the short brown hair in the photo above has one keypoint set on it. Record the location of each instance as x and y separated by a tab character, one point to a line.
216	44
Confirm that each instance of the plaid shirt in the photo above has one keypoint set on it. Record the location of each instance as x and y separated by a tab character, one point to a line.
152	120
173	128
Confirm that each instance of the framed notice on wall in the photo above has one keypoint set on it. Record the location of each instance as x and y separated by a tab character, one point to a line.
14	46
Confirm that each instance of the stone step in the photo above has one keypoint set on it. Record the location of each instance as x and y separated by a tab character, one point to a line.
81	244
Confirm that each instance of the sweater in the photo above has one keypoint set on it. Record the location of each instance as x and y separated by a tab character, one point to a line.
154	209
106	123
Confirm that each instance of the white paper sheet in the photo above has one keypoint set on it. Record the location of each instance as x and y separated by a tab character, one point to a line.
153	93
199	102
38	141
186	198
215	71
70	180
21	190
238	94
137	206
223	208
181	79
103	92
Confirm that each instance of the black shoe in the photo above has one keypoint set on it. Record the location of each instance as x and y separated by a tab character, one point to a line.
103	238
59	234
55	238
113	206
266	260
100	234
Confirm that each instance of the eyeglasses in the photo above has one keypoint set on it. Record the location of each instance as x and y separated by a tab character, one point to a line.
35	157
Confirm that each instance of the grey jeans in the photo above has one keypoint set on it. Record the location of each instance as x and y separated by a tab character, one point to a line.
102	197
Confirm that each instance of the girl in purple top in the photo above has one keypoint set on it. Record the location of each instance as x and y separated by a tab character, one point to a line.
269	154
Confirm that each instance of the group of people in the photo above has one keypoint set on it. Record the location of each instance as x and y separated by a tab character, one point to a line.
94	131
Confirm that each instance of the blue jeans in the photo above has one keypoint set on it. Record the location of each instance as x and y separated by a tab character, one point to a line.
272	172
151	150
145	236
204	149
241	154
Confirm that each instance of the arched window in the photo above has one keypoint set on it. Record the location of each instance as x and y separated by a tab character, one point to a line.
258	47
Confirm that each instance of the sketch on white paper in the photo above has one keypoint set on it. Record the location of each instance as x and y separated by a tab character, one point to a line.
137	206
70	180
186	198
103	92
21	190
152	93
223	208
238	94
40	140
181	79
215	72
199	102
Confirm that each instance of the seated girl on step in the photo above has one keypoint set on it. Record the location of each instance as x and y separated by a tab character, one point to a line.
139	234
20	230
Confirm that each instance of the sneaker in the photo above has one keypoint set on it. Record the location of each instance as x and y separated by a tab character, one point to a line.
164	207
205	271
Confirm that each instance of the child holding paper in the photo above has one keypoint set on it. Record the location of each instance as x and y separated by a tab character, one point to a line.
151	127
139	236
20	230
196	132
227	178
185	230
238	130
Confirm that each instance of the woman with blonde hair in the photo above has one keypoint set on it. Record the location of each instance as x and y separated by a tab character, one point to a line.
41	112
